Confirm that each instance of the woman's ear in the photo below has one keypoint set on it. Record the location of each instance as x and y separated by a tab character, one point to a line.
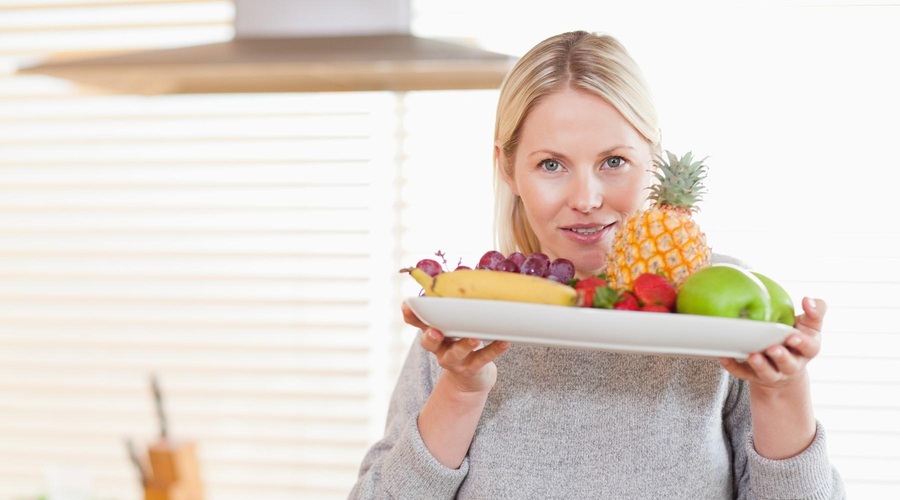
500	160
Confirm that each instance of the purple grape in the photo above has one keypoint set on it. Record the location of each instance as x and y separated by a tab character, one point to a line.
431	267
562	269
518	258
557	279
490	260
537	264
462	267
508	266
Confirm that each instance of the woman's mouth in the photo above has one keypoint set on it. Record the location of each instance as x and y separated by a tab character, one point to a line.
594	230
587	234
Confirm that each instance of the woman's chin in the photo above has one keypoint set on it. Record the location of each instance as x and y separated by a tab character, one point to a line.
591	267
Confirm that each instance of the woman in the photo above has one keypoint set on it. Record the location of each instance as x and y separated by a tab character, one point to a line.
575	136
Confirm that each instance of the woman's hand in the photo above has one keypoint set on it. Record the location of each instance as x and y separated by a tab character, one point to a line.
782	364
780	399
467	367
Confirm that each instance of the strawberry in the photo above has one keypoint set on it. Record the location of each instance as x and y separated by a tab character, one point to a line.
591	283
655	308
587	289
654	289
627	302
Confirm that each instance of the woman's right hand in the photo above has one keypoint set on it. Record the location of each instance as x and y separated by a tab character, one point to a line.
467	367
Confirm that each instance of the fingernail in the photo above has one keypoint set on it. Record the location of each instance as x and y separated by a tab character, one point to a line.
794	341
434	334
812	303
776	353
757	360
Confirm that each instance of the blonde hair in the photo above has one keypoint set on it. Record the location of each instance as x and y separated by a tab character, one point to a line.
594	63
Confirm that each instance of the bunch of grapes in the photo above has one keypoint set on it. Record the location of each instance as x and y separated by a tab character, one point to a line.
537	264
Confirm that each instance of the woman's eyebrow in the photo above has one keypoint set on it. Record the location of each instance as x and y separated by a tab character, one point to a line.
548	152
562	156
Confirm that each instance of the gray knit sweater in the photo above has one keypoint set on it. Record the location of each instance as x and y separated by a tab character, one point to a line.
574	424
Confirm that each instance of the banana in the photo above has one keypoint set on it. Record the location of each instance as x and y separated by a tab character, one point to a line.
499	285
423	278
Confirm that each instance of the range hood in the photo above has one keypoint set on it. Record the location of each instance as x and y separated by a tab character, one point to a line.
298	46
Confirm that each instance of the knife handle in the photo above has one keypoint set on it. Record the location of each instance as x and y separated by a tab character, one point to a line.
160	410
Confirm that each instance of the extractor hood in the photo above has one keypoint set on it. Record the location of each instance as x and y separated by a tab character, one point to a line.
298	46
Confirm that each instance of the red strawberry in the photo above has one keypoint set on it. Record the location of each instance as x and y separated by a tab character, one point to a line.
587	288
655	308
653	289
590	283
627	302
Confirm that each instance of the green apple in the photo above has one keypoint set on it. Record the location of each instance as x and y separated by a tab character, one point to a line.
782	305
724	290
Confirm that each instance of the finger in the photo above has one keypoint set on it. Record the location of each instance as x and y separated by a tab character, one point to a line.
736	368
805	345
455	353
486	354
432	340
784	361
763	368
813	315
410	318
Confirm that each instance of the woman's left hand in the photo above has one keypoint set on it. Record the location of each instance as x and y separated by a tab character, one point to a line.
781	364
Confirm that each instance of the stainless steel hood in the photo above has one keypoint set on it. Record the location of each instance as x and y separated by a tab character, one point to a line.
298	46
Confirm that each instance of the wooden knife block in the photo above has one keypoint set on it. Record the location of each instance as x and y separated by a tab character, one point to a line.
175	472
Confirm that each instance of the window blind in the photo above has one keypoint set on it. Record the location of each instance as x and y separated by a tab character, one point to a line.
169	236
236	246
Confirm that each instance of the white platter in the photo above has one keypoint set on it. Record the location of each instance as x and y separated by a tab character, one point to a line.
604	329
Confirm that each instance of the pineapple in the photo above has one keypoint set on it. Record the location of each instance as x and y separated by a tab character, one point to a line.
663	239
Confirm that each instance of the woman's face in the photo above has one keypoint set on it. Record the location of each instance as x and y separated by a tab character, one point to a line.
581	170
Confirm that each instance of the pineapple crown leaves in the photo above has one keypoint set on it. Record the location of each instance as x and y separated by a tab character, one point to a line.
679	181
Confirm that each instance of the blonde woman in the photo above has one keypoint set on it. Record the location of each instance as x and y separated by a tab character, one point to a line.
575	136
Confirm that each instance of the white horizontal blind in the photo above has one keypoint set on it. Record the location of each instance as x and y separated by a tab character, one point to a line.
796	106
238	246
169	235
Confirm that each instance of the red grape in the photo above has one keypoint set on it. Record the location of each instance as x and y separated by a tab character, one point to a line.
490	260
431	267
518	258
508	266
563	269
537	264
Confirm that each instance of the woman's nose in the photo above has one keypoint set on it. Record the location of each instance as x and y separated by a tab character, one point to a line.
586	193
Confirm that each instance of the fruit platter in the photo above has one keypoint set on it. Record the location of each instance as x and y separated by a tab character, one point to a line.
660	292
607	330
732	313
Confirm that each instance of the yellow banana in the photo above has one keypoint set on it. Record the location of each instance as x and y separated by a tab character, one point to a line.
423	278
499	285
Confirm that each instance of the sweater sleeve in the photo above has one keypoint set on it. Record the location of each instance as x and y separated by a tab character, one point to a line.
808	475
399	465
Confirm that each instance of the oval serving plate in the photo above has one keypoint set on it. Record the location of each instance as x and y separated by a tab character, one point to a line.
604	329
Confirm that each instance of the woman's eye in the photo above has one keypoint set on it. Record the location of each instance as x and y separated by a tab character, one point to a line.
550	165
615	162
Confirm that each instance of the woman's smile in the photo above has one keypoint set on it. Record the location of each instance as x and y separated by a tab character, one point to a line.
588	234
